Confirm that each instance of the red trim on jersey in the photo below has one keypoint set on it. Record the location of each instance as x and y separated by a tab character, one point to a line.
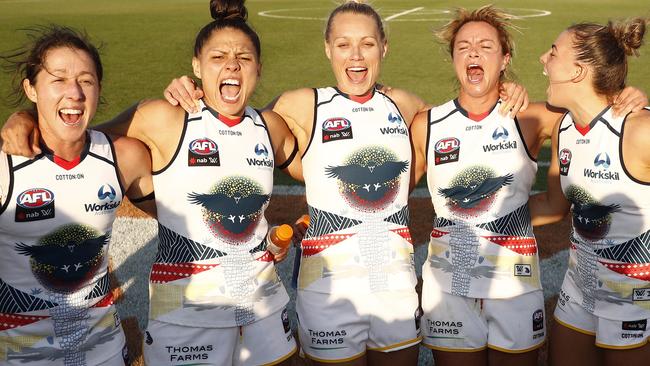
65	164
640	271
317	244
266	257
108	300
518	244
583	130
435	233
478	117
10	321
404	233
361	98
167	272
230	122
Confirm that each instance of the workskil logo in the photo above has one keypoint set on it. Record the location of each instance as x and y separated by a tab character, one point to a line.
398	129
447	150
106	193
337	128
261	159
203	152
565	161
501	136
34	204
602	163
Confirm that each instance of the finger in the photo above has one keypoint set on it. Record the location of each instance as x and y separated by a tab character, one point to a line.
517	106
36	145
170	98
185	102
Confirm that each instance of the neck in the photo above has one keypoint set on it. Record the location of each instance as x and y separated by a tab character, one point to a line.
480	104
583	110
64	149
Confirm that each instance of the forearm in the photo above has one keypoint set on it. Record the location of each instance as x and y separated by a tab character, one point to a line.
544	211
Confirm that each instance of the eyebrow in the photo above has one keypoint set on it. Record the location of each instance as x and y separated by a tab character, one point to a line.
52	72
480	41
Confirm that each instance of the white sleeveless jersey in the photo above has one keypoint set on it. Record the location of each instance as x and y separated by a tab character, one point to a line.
609	266
480	175
56	307
356	171
212	268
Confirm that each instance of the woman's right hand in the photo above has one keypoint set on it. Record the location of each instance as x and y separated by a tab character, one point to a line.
20	135
184	92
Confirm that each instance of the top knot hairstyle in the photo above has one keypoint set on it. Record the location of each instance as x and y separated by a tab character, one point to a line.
606	47
27	61
356	7
227	14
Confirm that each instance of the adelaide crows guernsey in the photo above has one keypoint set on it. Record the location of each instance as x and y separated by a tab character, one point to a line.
479	175
609	263
356	171
56	307
212	268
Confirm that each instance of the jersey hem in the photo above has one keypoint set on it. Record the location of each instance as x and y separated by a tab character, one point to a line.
397	346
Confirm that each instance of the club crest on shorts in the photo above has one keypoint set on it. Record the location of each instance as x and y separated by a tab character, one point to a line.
538	320
203	152
34	204
337	128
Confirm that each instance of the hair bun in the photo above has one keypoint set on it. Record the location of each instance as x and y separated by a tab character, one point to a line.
228	9
629	34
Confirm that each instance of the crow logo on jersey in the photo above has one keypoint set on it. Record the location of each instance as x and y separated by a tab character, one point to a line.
591	220
232	208
370	178
447	150
34	204
565	161
338	128
66	259
473	190
203	152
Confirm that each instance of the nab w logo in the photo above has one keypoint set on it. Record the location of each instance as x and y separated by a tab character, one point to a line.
641	294
106	191
602	159
500	133
394	118
260	149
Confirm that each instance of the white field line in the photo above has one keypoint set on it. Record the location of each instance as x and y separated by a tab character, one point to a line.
388	19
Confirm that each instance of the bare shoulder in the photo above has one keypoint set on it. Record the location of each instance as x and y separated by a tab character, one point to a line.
295	98
637	127
159	111
408	103
129	150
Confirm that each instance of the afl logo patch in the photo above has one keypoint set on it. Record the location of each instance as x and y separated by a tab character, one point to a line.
35	204
203	152
338	128
447	150
565	161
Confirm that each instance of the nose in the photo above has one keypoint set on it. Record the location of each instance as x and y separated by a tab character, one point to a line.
233	65
74	91
544	57
356	53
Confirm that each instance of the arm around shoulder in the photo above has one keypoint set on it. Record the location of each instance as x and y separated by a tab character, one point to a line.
408	103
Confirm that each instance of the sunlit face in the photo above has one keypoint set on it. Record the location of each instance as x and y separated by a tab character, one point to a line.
478	59
66	93
355	49
562	70
228	67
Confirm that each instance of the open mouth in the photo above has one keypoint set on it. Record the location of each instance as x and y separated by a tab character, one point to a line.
70	116
474	73
357	74
230	90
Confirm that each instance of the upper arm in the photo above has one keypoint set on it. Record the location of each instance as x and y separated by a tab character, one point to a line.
537	123
408	103
134	166
296	107
636	156
419	129
154	122
284	144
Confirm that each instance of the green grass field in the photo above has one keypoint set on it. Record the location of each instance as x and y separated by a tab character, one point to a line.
148	42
